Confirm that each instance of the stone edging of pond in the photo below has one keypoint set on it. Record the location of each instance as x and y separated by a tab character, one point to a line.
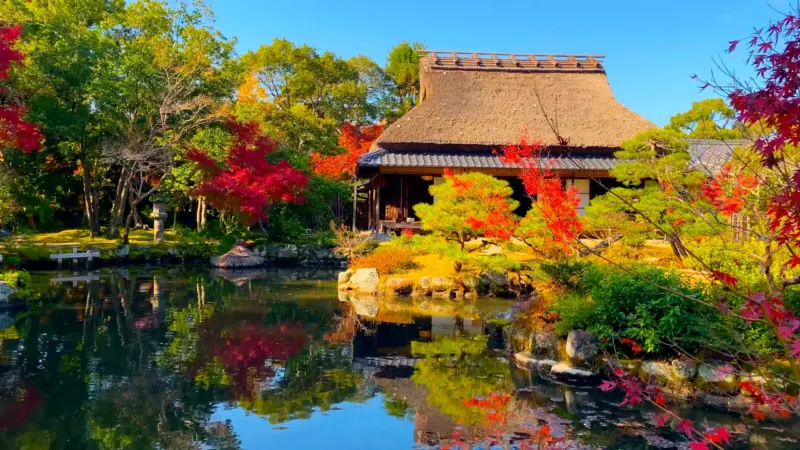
576	360
367	281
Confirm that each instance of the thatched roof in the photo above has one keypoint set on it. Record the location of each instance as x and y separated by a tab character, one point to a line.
489	100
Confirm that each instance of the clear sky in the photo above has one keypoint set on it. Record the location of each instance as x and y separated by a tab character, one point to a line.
651	46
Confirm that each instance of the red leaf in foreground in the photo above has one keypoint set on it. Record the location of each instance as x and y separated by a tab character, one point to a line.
608	386
698	446
686	427
725	278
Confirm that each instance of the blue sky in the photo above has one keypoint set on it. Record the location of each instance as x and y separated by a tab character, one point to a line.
651	46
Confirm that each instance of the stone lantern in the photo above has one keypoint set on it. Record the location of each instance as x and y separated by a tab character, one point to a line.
159	216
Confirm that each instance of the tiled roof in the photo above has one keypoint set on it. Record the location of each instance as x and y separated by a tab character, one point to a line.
709	155
383	158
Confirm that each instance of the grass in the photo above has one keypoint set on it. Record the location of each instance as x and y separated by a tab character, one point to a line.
82	238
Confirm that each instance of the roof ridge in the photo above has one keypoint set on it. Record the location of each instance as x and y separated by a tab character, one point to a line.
511	61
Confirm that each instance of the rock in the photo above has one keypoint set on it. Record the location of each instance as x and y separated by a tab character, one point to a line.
684	369
520	339
175	252
581	346
398	286
442	284
471	284
494	282
323	253
423	287
717	377
365	281
526	359
270	251
564	371
544	343
343	277
628	365
288	252
5	291
123	251
365	306
657	370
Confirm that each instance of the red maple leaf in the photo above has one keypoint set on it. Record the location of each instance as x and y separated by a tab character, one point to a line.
698	446
685	426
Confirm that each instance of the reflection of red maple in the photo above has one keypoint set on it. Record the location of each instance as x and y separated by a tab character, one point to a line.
14	131
245	352
248	184
356	140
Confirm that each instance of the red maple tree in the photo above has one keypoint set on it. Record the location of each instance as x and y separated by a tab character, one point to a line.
15	132
356	140
247	183
553	222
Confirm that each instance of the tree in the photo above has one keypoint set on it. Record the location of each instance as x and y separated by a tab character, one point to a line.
403	67
247	184
662	180
356	141
467	207
300	97
551	225
763	184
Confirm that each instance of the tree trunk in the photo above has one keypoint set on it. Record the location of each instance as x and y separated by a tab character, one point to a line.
201	213
126	235
677	247
90	199
118	208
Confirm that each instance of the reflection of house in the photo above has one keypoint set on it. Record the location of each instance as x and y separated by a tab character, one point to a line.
474	103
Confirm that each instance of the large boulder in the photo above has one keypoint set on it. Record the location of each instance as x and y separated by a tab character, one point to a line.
471	284
5	291
423	287
398	286
443	284
343	277
365	281
323	253
365	306
684	369
581	346
717	377
545	344
287	253
494	282
565	372
660	371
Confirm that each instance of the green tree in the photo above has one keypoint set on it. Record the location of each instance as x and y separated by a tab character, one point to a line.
467	207
301	97
403	67
659	178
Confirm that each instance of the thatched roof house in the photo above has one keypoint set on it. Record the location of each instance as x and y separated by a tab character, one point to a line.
473	103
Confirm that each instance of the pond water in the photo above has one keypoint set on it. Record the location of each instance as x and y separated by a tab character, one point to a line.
149	358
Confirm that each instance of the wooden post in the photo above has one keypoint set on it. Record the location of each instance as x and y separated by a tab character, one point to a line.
378	203
355	197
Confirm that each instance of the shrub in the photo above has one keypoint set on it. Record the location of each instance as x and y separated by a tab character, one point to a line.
575	312
566	273
633	304
16	278
386	260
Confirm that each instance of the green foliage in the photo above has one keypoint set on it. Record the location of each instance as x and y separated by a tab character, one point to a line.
403	68
651	306
708	119
16	278
457	369
567	273
289	222
576	311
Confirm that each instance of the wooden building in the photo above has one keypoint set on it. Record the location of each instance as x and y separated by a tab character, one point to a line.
474	103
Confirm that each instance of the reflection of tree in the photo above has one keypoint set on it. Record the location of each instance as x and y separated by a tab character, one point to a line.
456	370
319	377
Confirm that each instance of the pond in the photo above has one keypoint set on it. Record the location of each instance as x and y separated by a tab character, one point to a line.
147	358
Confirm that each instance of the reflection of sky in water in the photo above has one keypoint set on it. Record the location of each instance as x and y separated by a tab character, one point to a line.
357	425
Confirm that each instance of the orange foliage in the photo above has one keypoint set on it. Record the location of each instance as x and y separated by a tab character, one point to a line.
386	261
356	140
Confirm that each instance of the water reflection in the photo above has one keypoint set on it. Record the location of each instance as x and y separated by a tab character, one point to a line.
271	359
